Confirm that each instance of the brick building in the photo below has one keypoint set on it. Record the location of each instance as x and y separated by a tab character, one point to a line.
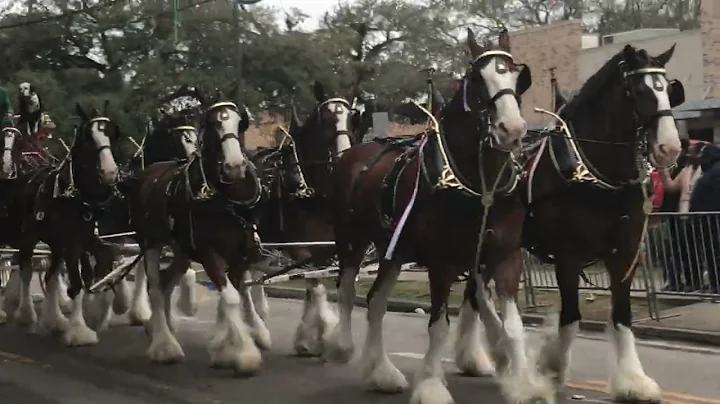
575	57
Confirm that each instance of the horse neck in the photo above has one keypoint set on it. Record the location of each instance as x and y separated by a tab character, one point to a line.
607	117
462	137
313	158
86	179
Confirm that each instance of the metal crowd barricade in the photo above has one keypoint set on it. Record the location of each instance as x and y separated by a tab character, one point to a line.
680	259
684	253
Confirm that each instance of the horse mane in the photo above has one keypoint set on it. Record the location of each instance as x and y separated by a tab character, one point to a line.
594	84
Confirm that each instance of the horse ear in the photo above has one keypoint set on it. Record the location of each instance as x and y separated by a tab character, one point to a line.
81	113
524	80
244	121
234	92
504	40
676	93
319	91
106	108
475	49
628	52
665	57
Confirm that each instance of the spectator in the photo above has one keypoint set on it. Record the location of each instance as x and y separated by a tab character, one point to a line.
706	198
680	253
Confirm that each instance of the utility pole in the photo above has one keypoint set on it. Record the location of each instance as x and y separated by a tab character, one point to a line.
237	6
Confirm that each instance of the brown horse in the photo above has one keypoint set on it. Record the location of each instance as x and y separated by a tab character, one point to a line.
58	206
204	208
433	204
592	178
299	206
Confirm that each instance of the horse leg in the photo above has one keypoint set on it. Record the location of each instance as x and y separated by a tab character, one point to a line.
64	301
25	314
257	292
629	381
260	333
169	279
339	346
140	304
379	371
121	300
78	333
232	345
317	321
521	381
12	293
429	382
187	302
52	318
471	346
555	352
164	347
97	306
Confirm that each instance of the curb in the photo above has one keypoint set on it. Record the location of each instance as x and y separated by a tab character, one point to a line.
641	330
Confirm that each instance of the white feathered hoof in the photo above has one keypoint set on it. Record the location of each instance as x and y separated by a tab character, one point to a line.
79	334
300	342
165	350
121	300
25	316
554	364
634	387
386	378
3	317
140	312
261	336
474	362
187	302
338	349
431	391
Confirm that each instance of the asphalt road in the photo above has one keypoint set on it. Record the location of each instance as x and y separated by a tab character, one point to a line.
39	370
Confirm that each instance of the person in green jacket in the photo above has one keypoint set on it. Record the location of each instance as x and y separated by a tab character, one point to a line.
6	109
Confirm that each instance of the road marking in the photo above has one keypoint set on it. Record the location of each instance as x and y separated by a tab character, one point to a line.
671	394
599	386
16	358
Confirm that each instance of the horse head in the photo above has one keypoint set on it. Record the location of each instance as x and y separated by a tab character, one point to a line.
492	88
653	96
93	144
174	137
30	108
323	136
224	125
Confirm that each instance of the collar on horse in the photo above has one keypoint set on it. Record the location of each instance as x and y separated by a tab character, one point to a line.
584	171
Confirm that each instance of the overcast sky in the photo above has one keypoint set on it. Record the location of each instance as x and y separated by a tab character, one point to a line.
314	8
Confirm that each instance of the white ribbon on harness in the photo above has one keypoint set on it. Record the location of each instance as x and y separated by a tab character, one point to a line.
408	208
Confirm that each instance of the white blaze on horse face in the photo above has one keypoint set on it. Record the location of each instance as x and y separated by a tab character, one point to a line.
342	112
108	167
509	126
7	162
667	147
189	142
25	89
234	164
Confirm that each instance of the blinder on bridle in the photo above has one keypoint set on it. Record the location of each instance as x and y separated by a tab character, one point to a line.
182	129
223	117
675	90
337	111
102	122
